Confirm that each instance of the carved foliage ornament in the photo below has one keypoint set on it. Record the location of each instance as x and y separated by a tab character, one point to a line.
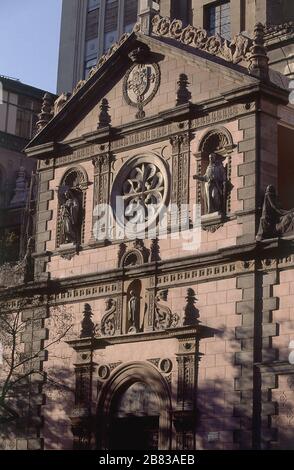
235	51
140	85
107	327
164	318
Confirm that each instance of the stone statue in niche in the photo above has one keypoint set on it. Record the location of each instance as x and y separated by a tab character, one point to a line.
164	318
70	217
216	184
133	312
274	221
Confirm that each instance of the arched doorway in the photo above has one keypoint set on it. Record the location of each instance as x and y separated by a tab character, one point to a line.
134	410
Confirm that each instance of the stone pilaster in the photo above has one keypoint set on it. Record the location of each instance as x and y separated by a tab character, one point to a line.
268	353
184	416
180	171
102	174
81	416
44	215
245	383
247	170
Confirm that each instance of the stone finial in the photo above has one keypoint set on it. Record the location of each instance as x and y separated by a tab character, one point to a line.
104	116
183	94
88	325
191	313
258	59
46	113
20	192
148	9
60	102
155	250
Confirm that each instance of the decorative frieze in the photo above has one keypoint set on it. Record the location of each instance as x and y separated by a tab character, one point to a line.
79	294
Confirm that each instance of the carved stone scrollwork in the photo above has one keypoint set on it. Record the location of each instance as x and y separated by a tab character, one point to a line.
163	316
108	322
235	51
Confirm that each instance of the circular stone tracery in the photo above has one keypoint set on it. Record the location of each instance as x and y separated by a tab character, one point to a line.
142	186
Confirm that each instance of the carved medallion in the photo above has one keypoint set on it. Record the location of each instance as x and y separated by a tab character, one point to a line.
141	84
103	372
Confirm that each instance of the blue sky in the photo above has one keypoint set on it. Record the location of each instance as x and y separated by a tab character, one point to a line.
29	38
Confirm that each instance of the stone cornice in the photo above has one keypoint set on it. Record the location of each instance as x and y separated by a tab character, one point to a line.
266	256
230	105
195	331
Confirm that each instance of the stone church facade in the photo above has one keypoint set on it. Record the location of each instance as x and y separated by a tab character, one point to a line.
171	346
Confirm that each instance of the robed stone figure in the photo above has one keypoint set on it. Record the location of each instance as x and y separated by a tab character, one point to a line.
274	221
216	184
70	216
133	312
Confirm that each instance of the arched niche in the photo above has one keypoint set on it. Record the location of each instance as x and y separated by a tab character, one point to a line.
76	179
134	308
129	380
218	140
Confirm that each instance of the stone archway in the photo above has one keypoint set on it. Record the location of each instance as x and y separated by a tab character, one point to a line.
152	419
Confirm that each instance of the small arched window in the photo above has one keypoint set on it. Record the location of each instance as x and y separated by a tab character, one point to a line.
71	207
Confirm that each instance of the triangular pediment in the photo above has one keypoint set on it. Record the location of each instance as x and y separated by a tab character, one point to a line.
208	76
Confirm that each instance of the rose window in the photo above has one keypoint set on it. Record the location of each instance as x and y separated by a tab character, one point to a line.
142	190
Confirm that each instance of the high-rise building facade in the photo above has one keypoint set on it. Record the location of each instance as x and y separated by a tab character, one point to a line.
89	27
19	108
